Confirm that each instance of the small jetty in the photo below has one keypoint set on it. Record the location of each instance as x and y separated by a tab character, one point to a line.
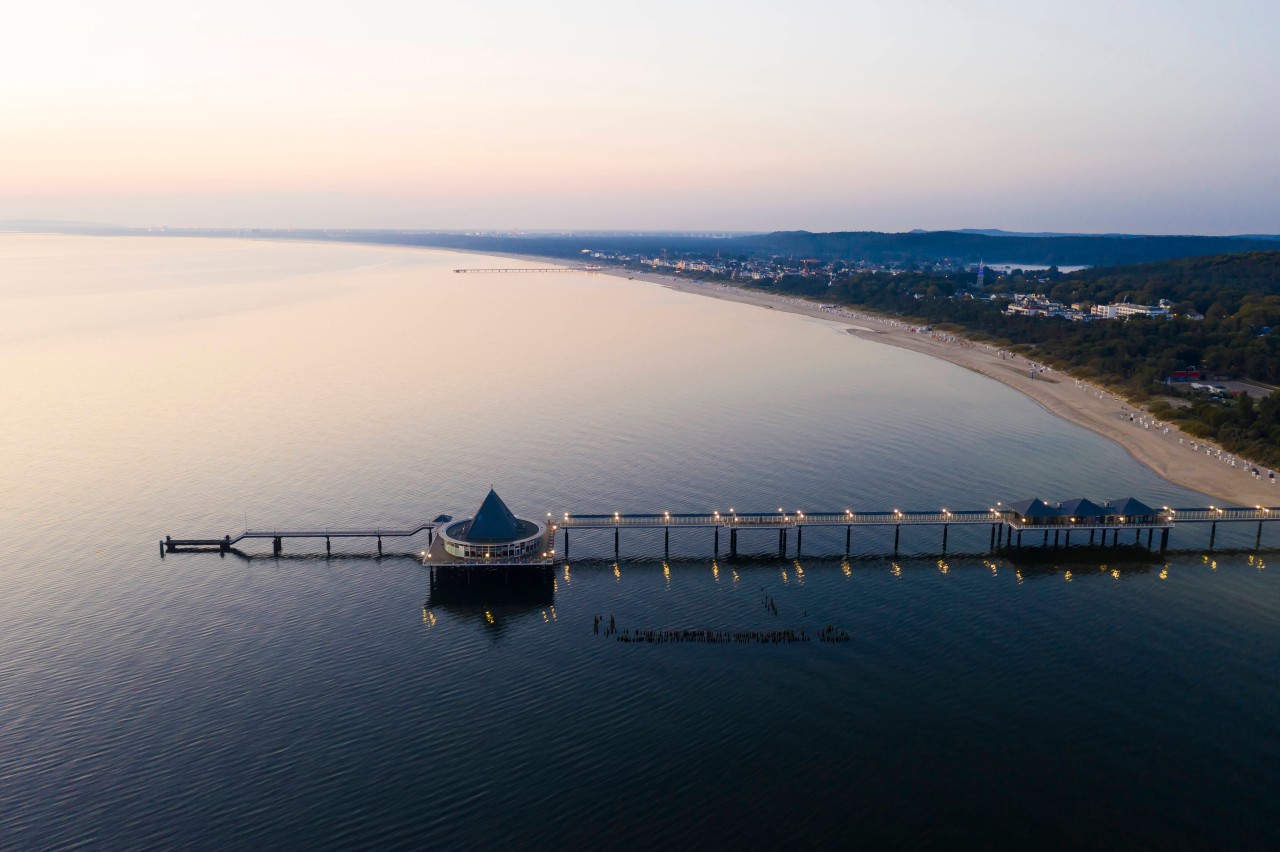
529	269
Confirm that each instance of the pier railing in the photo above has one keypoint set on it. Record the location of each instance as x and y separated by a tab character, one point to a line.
1007	526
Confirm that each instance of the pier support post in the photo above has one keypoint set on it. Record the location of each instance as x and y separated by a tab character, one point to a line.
1164	540
799	539
944	538
1045	543
276	547
226	544
617	532
666	541
782	542
1257	540
992	546
733	543
566	545
1213	533
328	551
717	541
1066	539
162	550
897	534
1091	534
848	535
1055	537
1019	539
1137	536
430	531
379	545
1150	533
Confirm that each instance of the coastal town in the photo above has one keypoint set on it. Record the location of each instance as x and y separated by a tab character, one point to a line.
984	287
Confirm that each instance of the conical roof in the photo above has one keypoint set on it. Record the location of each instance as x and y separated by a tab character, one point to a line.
1127	506
1035	508
493	521
1081	507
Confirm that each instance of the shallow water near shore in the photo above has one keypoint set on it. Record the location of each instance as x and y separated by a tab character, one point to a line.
187	387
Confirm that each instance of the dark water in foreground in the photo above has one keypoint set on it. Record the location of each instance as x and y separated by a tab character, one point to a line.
208	702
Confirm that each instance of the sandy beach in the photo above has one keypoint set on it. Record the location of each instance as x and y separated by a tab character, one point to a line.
1191	462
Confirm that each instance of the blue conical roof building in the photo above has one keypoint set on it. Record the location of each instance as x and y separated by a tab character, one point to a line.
493	521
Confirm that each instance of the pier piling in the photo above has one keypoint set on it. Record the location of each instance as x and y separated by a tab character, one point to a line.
944	538
897	534
1213	533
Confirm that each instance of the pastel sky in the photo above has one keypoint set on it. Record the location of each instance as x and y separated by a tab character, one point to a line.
1158	116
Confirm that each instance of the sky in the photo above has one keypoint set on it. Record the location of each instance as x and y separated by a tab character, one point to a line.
1127	115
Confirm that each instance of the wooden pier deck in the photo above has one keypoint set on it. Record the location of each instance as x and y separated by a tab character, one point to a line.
1007	528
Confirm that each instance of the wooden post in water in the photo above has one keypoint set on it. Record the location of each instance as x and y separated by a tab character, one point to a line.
1091	532
897	533
1066	540
944	538
1213	533
1164	540
566	545
799	538
1045	543
666	541
1055	537
617	532
717	540
992	546
1257	540
1019	539
1150	533
276	546
379	545
328	550
733	542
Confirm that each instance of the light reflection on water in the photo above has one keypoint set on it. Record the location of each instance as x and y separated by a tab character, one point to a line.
195	387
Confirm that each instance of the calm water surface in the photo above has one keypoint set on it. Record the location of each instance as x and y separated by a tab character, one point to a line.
188	387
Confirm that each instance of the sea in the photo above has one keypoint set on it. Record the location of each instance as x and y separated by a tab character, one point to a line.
159	386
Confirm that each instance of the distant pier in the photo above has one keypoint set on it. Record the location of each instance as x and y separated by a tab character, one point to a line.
542	269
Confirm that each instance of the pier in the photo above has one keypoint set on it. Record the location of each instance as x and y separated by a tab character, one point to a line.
1121	522
278	537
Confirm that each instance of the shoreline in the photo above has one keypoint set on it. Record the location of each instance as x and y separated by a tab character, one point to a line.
1176	457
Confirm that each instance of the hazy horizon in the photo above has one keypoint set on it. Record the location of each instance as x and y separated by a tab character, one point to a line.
1148	118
